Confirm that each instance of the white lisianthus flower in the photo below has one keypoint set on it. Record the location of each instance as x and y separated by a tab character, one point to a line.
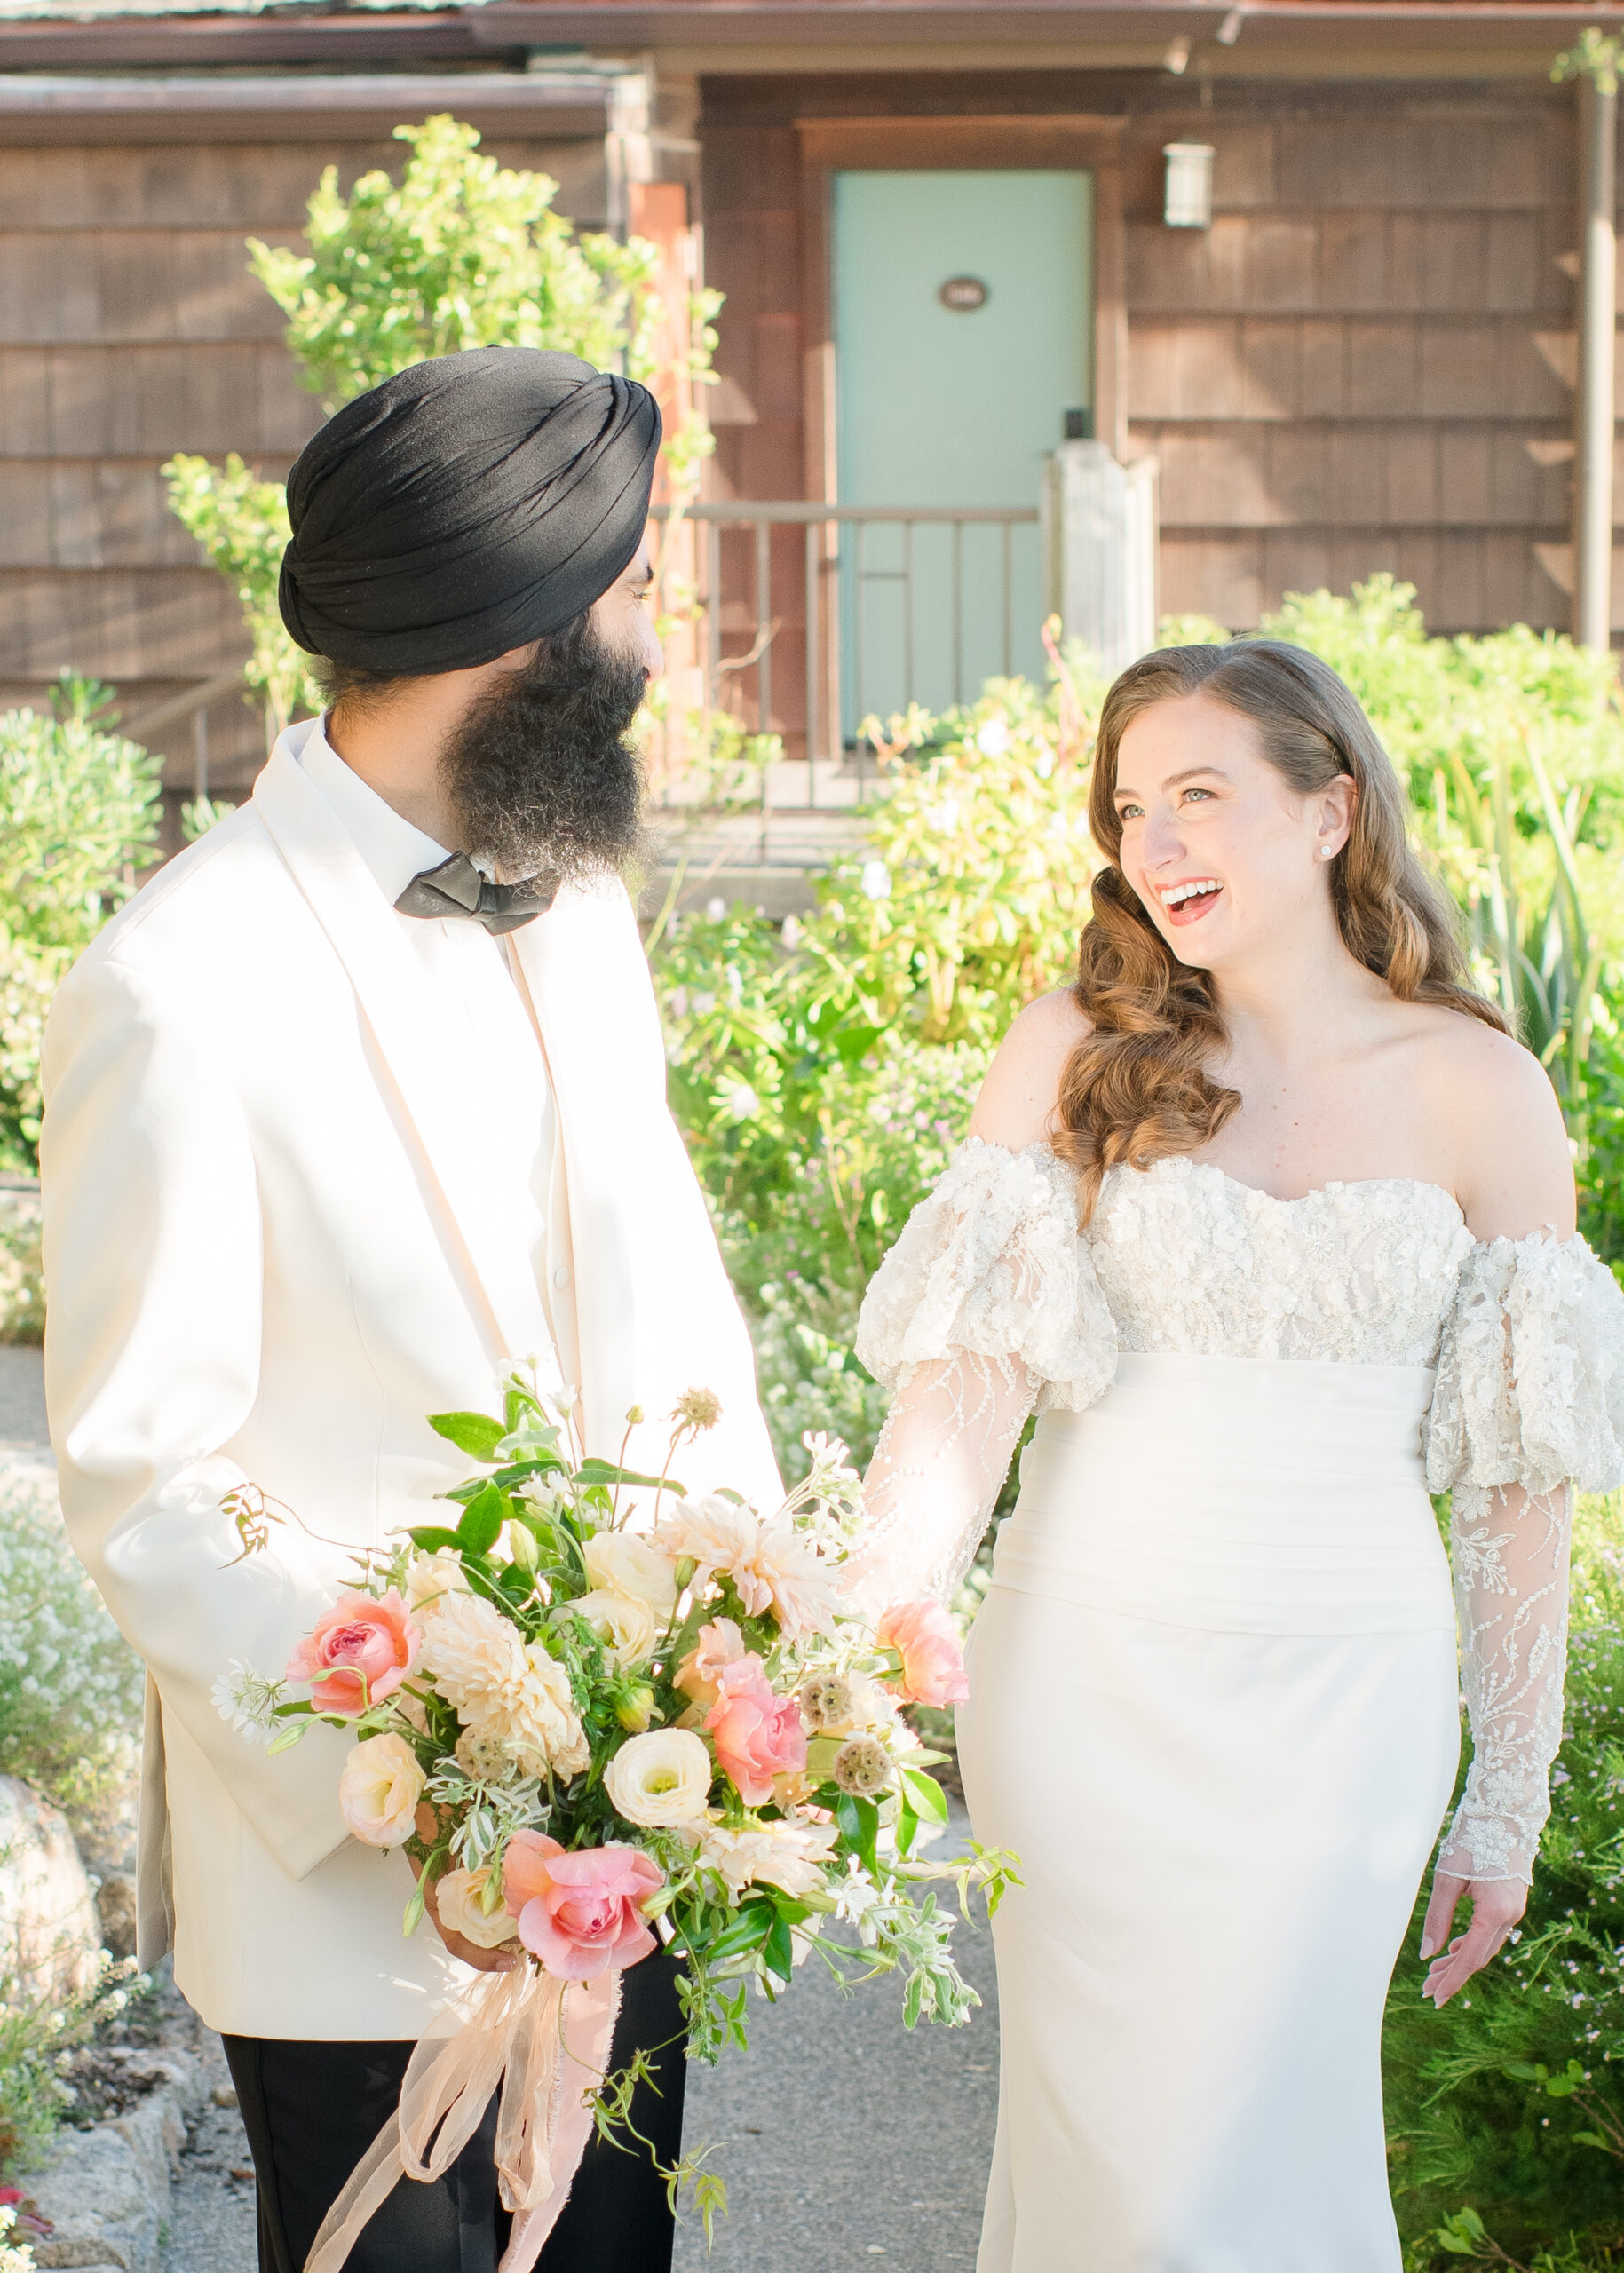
459	1899
626	1622
660	1780
518	1697
621	1562
430	1578
379	1790
790	1856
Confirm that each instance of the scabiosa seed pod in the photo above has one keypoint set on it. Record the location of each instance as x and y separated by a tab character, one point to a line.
827	1700
862	1767
700	1408
482	1755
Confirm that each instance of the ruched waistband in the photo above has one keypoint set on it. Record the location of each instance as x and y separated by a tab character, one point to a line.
1251	1495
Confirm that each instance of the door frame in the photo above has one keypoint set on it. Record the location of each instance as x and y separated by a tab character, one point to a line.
1067	143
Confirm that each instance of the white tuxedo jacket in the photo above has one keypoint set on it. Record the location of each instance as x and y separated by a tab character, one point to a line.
274	1243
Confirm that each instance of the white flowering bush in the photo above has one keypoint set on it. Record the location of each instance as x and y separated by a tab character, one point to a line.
38	2042
70	1685
22	1285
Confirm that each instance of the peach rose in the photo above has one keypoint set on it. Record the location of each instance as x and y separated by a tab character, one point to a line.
758	1736
932	1664
580	1912
698	1675
358	1653
379	1790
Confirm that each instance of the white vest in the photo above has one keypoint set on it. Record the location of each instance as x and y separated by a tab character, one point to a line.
277	1237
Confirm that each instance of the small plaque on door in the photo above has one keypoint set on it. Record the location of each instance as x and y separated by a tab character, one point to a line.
963	293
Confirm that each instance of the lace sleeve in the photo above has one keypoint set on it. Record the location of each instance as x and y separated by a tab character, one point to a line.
1530	1399
987	1305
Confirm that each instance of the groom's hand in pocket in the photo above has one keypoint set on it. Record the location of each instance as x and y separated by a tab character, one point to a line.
1497	1904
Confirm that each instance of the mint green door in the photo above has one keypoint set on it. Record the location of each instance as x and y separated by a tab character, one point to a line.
963	317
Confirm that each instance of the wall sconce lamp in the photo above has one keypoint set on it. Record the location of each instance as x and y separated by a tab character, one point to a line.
1188	201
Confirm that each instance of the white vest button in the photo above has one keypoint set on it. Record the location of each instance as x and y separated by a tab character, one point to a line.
560	1278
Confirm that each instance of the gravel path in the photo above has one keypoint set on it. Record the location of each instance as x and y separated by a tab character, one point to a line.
842	2138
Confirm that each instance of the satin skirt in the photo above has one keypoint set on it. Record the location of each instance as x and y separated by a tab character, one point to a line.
1214	1710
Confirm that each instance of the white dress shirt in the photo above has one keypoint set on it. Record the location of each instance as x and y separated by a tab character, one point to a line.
475	979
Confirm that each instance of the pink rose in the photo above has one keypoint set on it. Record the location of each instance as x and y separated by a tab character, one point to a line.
758	1736
718	1645
932	1664
358	1654
580	1912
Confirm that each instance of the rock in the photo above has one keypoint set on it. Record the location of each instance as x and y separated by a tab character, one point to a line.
99	2204
106	2190
223	2095
115	1908
50	1933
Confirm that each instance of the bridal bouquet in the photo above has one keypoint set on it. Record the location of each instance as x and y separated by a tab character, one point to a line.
600	1714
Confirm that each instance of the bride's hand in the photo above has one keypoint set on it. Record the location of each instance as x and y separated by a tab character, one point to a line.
1497	1904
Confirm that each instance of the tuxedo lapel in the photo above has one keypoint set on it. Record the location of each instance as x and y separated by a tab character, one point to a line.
429	1060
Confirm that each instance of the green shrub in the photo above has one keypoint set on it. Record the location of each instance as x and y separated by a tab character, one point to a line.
79	807
1510	2103
38	2042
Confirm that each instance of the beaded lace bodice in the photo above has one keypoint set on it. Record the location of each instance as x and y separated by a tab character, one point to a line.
994	1302
1187	1259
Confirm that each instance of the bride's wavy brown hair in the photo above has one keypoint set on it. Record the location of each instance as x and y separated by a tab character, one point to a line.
1137	1091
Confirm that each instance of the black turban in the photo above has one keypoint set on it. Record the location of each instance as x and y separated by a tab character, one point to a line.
465	507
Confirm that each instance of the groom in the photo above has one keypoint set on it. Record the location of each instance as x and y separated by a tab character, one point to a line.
360	1099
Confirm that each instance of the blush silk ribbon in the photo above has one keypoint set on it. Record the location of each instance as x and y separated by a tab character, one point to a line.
545	2044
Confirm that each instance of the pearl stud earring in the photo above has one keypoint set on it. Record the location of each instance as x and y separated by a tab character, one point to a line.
1326	852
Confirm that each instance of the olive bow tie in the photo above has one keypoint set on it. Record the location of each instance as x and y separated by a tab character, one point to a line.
456	888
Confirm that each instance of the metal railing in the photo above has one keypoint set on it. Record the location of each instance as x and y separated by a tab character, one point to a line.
923	651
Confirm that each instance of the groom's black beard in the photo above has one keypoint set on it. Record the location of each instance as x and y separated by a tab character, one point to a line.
541	773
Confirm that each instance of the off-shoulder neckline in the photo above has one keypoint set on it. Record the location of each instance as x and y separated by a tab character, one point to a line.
1320	1191
1176	1161
1544	1237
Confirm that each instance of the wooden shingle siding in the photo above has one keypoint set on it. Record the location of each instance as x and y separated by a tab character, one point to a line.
752	204
1367	362
130	327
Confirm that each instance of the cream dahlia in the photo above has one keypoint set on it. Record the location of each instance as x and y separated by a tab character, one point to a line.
517	1696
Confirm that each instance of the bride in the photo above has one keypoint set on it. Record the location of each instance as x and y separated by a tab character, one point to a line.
1273	1223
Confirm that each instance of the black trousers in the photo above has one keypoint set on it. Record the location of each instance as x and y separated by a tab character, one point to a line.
310	2111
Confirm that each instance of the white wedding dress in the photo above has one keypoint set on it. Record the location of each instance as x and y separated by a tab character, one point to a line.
1214	1681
